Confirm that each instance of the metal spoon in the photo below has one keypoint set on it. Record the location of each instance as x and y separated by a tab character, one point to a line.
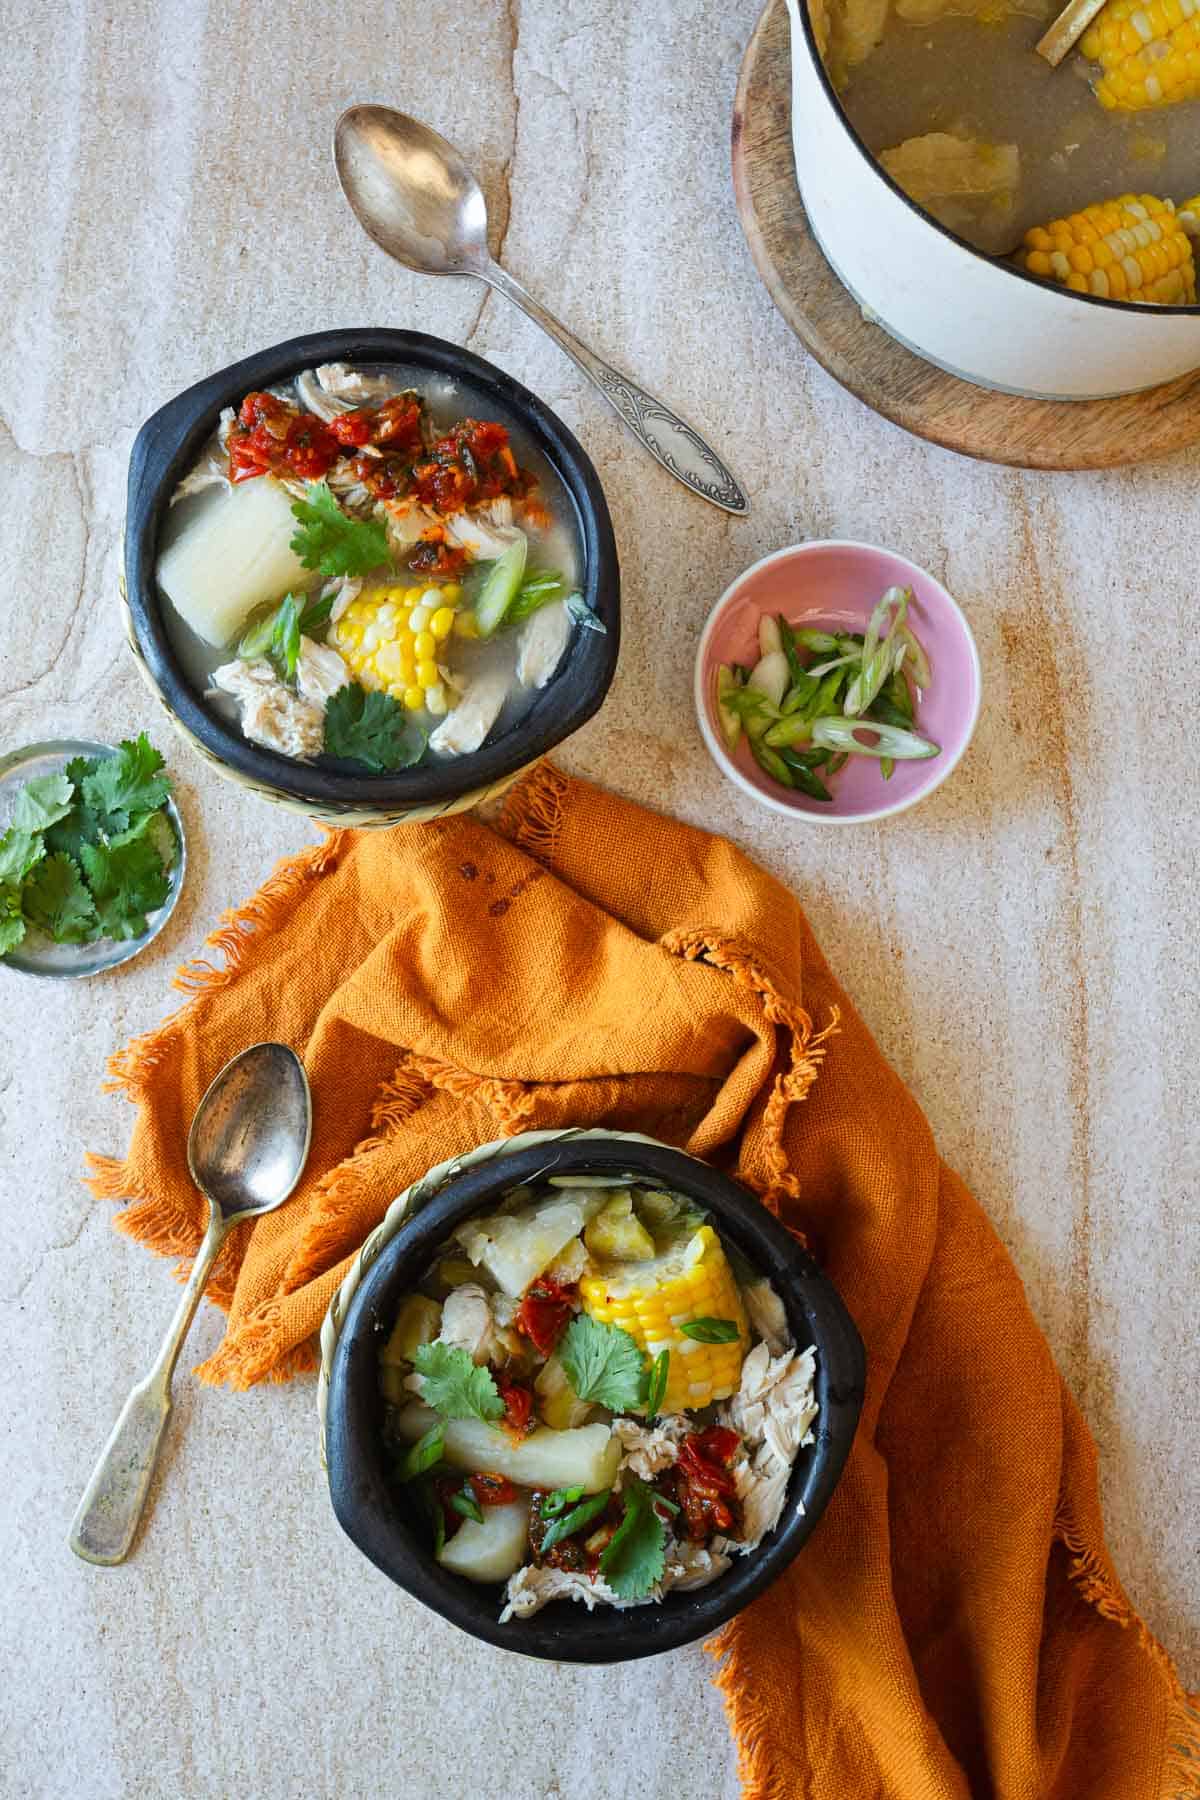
414	195
246	1151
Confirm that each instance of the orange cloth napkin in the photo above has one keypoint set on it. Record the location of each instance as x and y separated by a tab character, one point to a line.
955	1628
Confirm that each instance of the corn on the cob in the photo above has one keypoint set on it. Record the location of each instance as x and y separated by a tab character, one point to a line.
391	638
652	1300
1131	248
1148	52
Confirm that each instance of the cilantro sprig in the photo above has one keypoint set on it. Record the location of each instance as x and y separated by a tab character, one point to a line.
88	852
455	1386
371	728
602	1363
330	540
633	1561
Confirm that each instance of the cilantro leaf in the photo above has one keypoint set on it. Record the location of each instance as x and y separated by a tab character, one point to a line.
371	728
602	1363
635	1556
79	768
124	785
127	879
12	922
454	1386
568	1523
19	852
330	540
57	900
80	826
710	1331
42	801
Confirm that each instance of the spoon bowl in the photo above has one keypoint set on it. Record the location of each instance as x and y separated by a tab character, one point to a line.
417	198
246	1151
411	191
249	1139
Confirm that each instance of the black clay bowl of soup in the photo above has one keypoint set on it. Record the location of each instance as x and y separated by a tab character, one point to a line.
454	385
372	1511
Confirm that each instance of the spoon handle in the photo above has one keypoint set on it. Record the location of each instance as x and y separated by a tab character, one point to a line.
107	1517
663	433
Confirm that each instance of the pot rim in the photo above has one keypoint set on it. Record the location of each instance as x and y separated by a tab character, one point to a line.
1138	308
172	436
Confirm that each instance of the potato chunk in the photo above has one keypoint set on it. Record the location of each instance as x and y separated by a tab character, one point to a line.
493	1550
586	1457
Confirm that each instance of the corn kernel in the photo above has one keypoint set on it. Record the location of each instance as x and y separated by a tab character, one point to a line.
435	699
427	673
431	597
418	618
442	622
465	626
414	698
425	644
452	593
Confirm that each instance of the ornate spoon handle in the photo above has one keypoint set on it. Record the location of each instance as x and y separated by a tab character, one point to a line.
663	433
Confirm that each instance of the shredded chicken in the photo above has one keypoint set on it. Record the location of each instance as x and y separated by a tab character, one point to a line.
213	471
272	715
407	521
344	383
772	1412
465	728
320	672
345	590
648	1450
467	1322
482	541
687	1566
765	1311
541	642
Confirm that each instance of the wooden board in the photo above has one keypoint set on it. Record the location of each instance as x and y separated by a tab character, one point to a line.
1003	428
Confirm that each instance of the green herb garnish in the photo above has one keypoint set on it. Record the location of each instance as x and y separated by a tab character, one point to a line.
602	1363
371	728
57	901
330	540
634	1559
566	1524
532	595
455	1386
88	851
465	1503
424	1455
710	1331
656	1384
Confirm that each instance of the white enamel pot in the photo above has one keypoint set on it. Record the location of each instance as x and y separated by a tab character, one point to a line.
964	311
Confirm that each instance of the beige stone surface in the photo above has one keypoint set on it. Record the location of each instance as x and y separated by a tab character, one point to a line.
1023	945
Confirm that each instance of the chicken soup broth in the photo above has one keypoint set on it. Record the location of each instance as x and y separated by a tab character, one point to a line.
373	566
982	132
591	1396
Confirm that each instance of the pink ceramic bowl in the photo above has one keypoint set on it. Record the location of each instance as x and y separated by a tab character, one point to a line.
835	585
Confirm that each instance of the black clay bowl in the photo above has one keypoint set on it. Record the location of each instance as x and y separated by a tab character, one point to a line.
166	447
565	1631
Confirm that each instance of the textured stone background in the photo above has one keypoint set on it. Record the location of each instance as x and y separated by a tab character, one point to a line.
1022	944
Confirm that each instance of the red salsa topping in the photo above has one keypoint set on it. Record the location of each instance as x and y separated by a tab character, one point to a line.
269	437
492	1490
704	1488
545	1312
518	1407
